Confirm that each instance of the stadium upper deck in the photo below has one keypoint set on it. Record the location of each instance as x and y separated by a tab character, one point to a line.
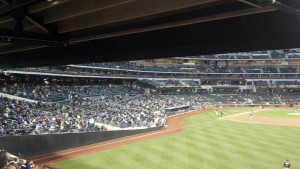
279	64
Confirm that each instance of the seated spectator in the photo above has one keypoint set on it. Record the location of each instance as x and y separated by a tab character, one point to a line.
3	159
29	165
17	163
11	166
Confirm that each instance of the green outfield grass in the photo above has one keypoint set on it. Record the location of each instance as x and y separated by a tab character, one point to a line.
206	143
279	112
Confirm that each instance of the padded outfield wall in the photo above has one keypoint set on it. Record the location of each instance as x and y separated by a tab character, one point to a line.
31	145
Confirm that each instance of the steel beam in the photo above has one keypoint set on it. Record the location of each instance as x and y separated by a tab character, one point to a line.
34	19
285	8
250	3
139	10
77	8
227	15
9	35
4	2
37	21
45	5
21	49
54	56
19	5
6	19
4	44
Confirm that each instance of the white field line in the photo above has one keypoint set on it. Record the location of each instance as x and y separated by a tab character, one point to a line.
294	114
252	121
263	123
247	112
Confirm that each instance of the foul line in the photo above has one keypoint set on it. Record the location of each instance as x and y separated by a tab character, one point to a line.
294	125
246	112
256	122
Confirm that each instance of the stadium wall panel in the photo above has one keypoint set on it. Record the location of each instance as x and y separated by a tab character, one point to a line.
32	145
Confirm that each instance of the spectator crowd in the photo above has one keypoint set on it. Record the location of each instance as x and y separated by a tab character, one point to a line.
10	161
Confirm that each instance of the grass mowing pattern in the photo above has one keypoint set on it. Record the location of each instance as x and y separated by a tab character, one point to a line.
279	113
207	142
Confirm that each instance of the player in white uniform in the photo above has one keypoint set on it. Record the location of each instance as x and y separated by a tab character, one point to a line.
286	165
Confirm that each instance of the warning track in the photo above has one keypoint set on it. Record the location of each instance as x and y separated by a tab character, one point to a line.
175	125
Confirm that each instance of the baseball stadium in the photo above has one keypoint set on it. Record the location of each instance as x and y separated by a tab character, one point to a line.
127	84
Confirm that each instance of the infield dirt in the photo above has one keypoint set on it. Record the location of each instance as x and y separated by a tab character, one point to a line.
264	120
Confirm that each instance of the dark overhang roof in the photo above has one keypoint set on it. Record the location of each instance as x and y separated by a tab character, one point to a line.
51	32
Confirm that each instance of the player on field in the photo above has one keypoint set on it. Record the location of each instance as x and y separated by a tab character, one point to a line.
286	165
216	111
251	115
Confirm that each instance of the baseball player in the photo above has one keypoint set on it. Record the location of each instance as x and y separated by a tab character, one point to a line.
286	165
251	115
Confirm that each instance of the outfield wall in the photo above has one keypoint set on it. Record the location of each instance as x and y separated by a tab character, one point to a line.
32	145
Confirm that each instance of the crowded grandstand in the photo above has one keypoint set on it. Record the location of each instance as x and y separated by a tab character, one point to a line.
141	94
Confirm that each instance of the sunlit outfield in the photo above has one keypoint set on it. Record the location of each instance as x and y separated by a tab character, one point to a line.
279	112
206	143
